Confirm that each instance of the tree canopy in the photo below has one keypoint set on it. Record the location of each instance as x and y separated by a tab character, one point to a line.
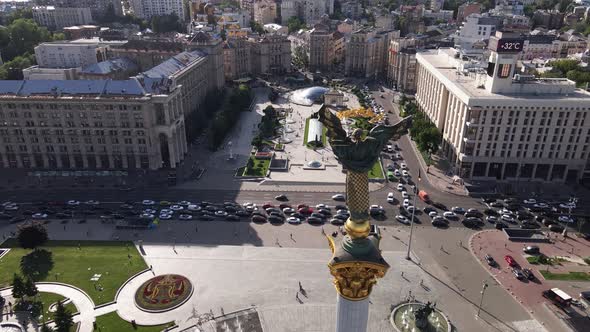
166	23
294	23
31	236
63	318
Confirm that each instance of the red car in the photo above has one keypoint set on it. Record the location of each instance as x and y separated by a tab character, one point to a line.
301	206
511	262
305	210
267	205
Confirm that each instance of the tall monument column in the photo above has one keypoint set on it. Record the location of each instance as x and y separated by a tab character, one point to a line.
356	262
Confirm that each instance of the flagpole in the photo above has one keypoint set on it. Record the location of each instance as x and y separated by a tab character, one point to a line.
413	215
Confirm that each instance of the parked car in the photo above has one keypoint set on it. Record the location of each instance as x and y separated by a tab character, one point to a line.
492	219
556	228
449	215
336	221
458	210
528	274
531	250
440	206
390	198
490	212
490	260
510	260
439	221
258	218
518	274
314	220
400	187
376	209
281	197
402	219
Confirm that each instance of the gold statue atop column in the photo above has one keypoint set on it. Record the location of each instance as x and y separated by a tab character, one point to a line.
357	262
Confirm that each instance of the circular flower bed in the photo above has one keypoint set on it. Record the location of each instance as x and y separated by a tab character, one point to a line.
163	293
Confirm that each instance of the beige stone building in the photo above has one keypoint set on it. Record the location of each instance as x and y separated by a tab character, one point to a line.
498	125
147	53
237	62
265	11
367	52
89	125
271	54
401	65
59	17
326	48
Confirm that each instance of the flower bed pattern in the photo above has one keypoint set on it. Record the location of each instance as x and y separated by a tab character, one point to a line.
163	293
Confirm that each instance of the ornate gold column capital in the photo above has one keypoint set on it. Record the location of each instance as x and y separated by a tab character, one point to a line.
354	280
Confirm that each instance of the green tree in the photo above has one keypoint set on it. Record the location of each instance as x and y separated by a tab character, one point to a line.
294	23
19	13
12	70
564	4
257	28
62	318
18	287
30	288
223	34
31	236
58	36
166	23
429	139
46	328
25	34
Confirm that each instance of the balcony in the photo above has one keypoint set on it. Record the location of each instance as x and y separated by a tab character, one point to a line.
470	139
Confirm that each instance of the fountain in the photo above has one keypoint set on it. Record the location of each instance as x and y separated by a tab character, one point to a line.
419	317
286	129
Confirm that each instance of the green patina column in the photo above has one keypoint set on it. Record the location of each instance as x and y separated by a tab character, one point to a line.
356	262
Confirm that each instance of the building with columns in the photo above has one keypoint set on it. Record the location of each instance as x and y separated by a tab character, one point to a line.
90	124
499	125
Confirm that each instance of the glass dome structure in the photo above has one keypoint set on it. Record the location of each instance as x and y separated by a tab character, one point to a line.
308	96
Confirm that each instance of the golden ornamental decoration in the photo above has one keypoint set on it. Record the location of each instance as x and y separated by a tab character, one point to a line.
354	280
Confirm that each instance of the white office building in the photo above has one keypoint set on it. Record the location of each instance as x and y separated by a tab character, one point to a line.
147	8
498	125
59	17
66	54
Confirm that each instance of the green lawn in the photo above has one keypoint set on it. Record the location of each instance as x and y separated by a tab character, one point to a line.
48	299
62	261
257	171
111	322
572	276
426	157
376	172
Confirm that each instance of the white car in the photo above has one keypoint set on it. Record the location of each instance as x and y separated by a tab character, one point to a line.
176	208
293	220
163	211
400	187
397	173
149	211
39	216
322	206
165	216
147	216
11	207
73	203
398	156
433	214
565	219
247	204
406	203
541	205
148	202
339	197
389	148
193	207
402	219
404	166
184	203
405	194
390	198
185	217
288	210
92	202
508	218
449	214
567	206
530	201
405	173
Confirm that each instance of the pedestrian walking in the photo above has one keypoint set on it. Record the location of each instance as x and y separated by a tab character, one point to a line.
421	282
460	243
196	229
64	227
297	297
402	274
441	248
291	235
300	286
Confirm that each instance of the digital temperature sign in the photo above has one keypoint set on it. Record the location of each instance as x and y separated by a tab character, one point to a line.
507	45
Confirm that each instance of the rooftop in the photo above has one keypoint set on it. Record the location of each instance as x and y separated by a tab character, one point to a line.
114	65
467	83
158	79
62	88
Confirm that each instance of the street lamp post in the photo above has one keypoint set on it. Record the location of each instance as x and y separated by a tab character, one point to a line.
412	225
483	290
